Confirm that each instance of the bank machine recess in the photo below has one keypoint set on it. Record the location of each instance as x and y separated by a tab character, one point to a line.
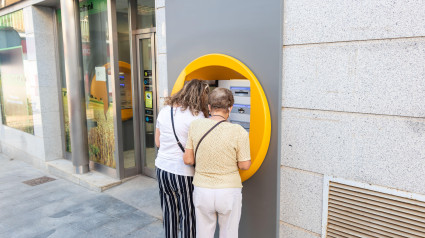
241	91
250	110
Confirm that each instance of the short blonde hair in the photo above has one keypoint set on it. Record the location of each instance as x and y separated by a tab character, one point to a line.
221	98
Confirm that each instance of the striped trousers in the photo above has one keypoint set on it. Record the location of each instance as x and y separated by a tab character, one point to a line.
177	206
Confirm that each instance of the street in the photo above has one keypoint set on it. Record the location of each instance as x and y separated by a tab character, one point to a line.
60	208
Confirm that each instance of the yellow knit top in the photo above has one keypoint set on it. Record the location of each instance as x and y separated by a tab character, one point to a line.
218	154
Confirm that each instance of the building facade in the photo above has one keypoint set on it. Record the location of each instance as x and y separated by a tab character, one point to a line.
352	105
36	111
344	81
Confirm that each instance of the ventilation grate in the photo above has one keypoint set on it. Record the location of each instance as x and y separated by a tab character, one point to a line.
359	212
38	181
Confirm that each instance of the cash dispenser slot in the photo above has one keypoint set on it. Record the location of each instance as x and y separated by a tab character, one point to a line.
241	91
241	114
241	109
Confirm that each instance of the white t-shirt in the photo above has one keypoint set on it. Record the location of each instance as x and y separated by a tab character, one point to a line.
170	156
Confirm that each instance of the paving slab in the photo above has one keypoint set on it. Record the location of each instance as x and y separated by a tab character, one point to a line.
63	209
149	231
141	192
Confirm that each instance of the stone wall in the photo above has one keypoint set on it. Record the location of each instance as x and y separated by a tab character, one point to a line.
353	102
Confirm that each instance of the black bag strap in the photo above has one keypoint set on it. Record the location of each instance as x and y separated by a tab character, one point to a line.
174	130
206	133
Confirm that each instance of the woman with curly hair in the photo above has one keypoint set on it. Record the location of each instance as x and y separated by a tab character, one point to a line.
174	177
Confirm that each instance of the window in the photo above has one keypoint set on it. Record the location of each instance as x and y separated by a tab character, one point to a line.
15	94
98	81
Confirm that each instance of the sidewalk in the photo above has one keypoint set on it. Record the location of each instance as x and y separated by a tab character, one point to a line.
60	208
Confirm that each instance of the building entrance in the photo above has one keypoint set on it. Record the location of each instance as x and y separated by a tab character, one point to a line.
137	89
147	100
139	154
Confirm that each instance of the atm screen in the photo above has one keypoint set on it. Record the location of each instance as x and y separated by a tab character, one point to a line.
241	111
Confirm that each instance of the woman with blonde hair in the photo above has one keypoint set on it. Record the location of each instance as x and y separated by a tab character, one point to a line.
219	149
174	177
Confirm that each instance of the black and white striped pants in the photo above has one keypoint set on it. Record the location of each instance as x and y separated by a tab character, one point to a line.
177	206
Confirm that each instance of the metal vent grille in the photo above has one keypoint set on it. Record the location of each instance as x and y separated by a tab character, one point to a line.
38	181
359	212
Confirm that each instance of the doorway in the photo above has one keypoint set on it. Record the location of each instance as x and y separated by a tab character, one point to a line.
146	63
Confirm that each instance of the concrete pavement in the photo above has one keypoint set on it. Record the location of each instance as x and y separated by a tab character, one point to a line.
63	209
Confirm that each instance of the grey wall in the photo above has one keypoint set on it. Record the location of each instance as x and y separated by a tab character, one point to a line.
250	31
353	101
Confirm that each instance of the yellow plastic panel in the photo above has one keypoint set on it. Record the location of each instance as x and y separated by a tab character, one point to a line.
224	67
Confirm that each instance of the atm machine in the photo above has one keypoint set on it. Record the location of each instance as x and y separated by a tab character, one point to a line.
241	91
227	41
225	71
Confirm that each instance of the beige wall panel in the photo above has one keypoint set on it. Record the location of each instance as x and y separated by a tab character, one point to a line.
314	21
379	77
380	150
301	199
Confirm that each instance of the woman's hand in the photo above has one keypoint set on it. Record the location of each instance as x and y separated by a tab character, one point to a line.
188	157
244	165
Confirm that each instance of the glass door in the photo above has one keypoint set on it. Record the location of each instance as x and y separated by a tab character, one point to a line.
148	103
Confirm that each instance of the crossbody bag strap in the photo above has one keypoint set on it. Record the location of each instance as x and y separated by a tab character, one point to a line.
206	133
174	130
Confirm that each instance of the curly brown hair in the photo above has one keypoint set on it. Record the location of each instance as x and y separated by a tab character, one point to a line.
194	95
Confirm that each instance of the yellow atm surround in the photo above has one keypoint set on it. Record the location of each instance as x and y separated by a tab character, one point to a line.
224	67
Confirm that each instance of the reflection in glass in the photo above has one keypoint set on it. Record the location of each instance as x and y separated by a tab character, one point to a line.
63	82
145	14
5	3
148	87
98	81
125	83
15	94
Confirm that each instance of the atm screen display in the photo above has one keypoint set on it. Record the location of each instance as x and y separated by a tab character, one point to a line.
241	90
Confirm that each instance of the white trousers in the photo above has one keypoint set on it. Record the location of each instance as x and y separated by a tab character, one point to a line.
226	203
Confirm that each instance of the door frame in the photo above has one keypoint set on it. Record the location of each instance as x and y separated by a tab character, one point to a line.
141	158
138	101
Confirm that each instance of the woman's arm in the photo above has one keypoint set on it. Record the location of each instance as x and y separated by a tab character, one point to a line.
244	165
243	153
157	133
188	157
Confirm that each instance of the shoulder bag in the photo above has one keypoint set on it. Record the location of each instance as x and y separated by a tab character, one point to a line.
206	133
174	130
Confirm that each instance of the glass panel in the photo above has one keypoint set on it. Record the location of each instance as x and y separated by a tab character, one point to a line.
145	14
125	84
15	93
98	81
148	87
5	3
63	82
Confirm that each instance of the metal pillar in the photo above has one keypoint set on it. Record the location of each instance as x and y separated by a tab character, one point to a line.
113	51
75	84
